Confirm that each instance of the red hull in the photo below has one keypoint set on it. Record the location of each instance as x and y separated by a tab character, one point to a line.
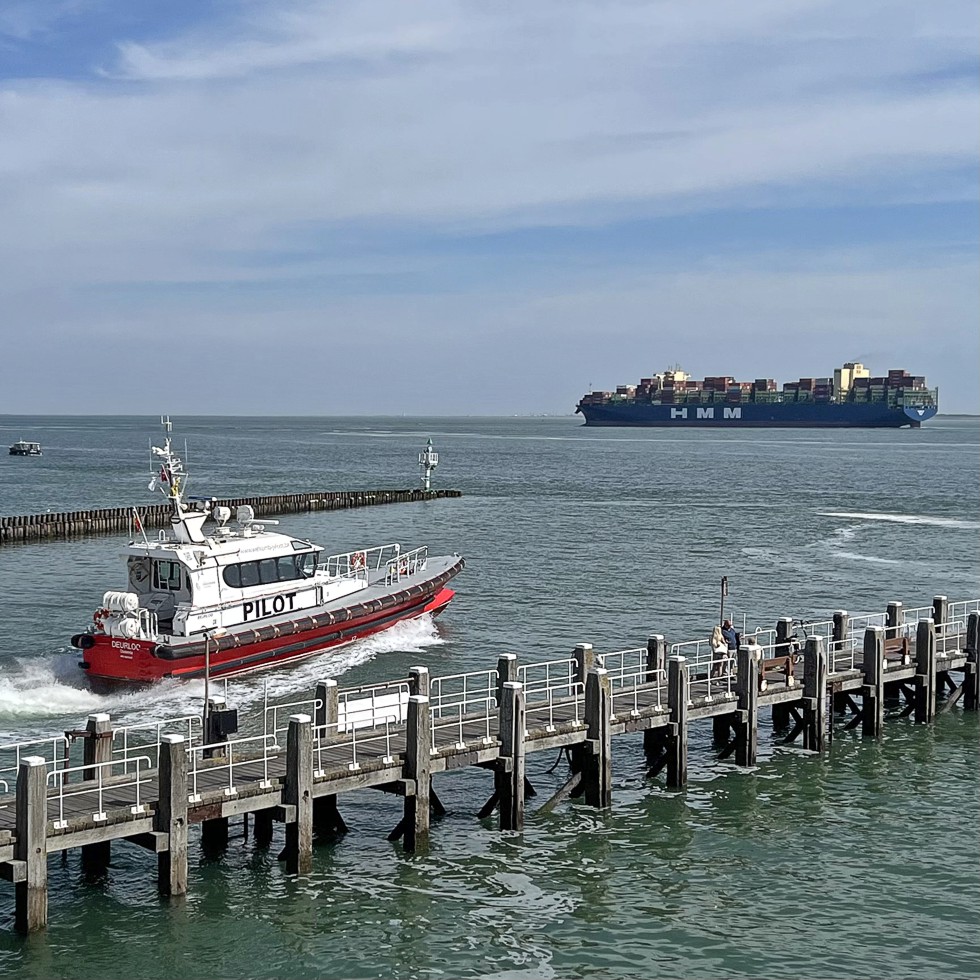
113	659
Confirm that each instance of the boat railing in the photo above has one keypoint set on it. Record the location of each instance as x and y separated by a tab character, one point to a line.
231	757
406	563
357	564
94	779
145	737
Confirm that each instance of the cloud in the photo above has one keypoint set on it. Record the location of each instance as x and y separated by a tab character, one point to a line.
308	155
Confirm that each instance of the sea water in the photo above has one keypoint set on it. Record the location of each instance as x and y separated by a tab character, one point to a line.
862	863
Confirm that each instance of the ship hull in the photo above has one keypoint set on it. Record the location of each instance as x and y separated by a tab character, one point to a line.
869	415
110	660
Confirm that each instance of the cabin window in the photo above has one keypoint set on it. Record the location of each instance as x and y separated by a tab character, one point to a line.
166	576
268	571
286	567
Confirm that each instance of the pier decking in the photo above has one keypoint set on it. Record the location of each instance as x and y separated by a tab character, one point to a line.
147	784
76	523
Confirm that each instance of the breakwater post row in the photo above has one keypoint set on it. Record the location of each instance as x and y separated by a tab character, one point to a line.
75	523
146	784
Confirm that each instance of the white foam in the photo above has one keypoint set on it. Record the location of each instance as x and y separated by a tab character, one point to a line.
41	689
907	519
869	558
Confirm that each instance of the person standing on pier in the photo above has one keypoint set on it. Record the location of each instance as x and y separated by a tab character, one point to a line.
720	660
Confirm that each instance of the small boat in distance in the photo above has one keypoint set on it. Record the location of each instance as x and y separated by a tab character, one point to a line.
23	448
242	598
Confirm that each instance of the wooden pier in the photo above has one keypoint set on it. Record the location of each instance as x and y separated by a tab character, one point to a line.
76	523
147	784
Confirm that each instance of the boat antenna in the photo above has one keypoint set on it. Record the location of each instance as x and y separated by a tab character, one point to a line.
428	460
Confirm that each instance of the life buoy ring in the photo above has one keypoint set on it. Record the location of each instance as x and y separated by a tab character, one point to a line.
97	617
358	560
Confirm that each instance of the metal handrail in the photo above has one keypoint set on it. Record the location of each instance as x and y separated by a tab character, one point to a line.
101	780
454	691
158	727
221	755
55	741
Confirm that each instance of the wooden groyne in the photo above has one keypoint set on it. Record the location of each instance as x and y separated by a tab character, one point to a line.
76	523
147	784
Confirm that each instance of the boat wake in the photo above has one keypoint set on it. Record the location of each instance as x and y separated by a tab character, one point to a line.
36	692
952	522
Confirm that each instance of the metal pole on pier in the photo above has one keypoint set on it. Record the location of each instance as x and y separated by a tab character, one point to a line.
724	592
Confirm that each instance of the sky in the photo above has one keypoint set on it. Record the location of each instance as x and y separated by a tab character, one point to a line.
451	207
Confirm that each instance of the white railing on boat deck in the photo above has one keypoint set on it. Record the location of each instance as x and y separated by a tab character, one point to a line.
357	564
405	564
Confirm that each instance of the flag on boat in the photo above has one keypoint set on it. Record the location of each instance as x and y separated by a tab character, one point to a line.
164	476
137	523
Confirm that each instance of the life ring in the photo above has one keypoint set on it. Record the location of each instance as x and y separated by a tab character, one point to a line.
97	617
358	560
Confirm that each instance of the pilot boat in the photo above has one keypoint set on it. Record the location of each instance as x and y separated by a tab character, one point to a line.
237	597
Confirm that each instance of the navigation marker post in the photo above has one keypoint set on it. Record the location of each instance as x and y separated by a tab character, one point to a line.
428	460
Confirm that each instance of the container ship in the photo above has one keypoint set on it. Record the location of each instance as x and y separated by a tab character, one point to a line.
852	398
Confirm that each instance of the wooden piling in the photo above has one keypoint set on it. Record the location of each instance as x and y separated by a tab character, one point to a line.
418	769
506	673
842	625
925	671
747	691
873	690
584	657
598	758
971	669
940	611
170	816
656	672
326	711
783	647
678	695
418	681
894	620
97	750
512	748
31	893
297	795
814	694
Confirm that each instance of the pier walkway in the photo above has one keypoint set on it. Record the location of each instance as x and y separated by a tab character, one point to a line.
146	784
